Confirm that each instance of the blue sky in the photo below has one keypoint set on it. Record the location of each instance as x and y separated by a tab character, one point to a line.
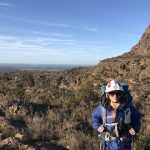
69	31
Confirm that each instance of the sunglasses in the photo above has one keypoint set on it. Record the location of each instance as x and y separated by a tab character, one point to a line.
115	93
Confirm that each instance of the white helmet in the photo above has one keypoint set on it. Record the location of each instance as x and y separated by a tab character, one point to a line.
113	85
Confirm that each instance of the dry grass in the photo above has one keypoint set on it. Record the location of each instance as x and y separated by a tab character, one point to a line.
67	119
45	127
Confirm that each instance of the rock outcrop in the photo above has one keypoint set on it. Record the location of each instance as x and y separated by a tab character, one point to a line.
143	47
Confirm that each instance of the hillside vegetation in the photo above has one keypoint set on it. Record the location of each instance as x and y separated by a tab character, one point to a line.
52	110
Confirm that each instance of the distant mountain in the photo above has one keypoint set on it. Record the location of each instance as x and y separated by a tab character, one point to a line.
34	67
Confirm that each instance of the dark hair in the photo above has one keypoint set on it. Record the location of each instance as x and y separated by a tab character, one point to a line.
105	101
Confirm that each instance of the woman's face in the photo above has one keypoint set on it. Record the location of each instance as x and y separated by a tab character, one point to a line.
114	96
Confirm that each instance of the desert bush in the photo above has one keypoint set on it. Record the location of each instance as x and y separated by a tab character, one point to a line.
14	117
80	141
28	79
44	127
7	131
18	92
86	93
142	142
5	77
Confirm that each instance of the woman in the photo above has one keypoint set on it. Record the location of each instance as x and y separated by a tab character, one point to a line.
115	119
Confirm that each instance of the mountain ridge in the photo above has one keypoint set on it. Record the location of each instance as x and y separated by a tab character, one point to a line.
143	46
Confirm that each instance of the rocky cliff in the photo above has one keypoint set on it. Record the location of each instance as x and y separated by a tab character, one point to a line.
143	47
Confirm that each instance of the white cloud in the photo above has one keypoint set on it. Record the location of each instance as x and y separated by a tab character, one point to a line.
36	40
5	4
29	45
54	24
87	28
47	49
3	38
38	22
92	29
52	46
60	35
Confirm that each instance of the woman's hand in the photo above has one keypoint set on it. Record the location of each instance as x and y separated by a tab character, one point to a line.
132	132
101	129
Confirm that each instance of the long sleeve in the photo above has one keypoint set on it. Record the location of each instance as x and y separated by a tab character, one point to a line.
96	118
135	119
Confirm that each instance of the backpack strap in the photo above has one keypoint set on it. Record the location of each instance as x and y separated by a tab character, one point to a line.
127	116
116	127
103	111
